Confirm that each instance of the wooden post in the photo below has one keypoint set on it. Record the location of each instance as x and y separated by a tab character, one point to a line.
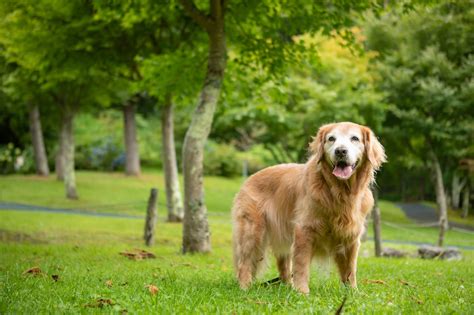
245	169
377	228
151	216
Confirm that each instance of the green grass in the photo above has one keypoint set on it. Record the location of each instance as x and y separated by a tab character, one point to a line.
83	251
108	192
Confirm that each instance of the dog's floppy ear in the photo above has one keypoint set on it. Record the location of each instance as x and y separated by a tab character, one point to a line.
316	147
374	150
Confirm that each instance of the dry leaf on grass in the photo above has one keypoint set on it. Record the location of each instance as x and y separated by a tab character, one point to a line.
417	300
108	283
100	303
34	271
55	277
152	289
406	283
137	254
377	281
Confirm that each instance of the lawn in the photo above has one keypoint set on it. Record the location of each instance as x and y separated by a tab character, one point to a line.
83	252
108	192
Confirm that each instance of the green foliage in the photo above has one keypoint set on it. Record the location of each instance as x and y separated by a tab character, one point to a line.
8	157
335	85
60	54
266	34
426	73
224	160
221	160
425	67
103	132
103	155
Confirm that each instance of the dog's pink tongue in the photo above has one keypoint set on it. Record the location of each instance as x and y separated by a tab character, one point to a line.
342	172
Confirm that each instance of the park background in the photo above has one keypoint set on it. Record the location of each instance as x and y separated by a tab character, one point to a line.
100	101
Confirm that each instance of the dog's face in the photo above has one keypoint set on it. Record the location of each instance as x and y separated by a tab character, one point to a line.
345	146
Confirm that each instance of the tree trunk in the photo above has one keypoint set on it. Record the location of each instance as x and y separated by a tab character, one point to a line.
377	224
173	193
465	201
440	198
196	235
132	158
67	137
39	151
456	189
59	161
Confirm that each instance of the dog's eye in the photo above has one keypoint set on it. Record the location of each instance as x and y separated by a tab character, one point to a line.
354	138
331	139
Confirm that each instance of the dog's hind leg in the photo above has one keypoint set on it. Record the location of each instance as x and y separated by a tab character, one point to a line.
284	268
249	245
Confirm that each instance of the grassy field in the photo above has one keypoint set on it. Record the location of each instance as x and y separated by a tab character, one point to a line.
82	252
108	192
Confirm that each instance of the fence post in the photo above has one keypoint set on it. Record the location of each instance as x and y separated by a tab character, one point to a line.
245	169
151	216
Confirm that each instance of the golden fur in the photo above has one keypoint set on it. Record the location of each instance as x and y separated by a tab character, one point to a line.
302	211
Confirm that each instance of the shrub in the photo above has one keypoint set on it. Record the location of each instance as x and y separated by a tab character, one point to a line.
102	155
257	158
221	160
225	160
16	160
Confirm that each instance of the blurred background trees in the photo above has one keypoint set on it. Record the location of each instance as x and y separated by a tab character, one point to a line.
119	86
425	65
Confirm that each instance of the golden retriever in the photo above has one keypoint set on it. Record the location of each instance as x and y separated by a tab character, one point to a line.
316	209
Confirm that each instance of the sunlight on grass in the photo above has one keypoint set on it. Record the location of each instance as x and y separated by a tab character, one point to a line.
83	252
109	192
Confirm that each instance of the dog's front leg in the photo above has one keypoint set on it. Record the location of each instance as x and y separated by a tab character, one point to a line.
347	264
302	255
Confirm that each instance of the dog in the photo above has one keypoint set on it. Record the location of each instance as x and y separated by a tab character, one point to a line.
302	211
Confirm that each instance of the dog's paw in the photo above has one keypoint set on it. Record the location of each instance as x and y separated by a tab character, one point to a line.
244	285
303	289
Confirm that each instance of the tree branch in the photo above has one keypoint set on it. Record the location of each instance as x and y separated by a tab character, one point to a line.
197	15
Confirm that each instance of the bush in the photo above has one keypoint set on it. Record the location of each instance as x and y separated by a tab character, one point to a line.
225	160
103	155
221	160
15	160
257	158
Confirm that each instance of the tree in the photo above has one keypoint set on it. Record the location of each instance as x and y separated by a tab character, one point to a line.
162	59
196	235
24	90
425	67
69	69
132	155
265	32
173	193
334	85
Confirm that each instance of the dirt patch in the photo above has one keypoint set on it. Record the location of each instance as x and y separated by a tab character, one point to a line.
19	237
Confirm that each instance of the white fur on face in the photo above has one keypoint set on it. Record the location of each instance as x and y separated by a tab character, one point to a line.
344	137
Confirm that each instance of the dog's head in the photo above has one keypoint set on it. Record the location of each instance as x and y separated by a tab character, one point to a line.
345	147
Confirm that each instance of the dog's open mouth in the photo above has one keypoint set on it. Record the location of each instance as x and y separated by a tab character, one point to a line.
343	170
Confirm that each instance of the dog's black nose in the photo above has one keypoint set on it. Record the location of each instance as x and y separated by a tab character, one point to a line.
341	152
